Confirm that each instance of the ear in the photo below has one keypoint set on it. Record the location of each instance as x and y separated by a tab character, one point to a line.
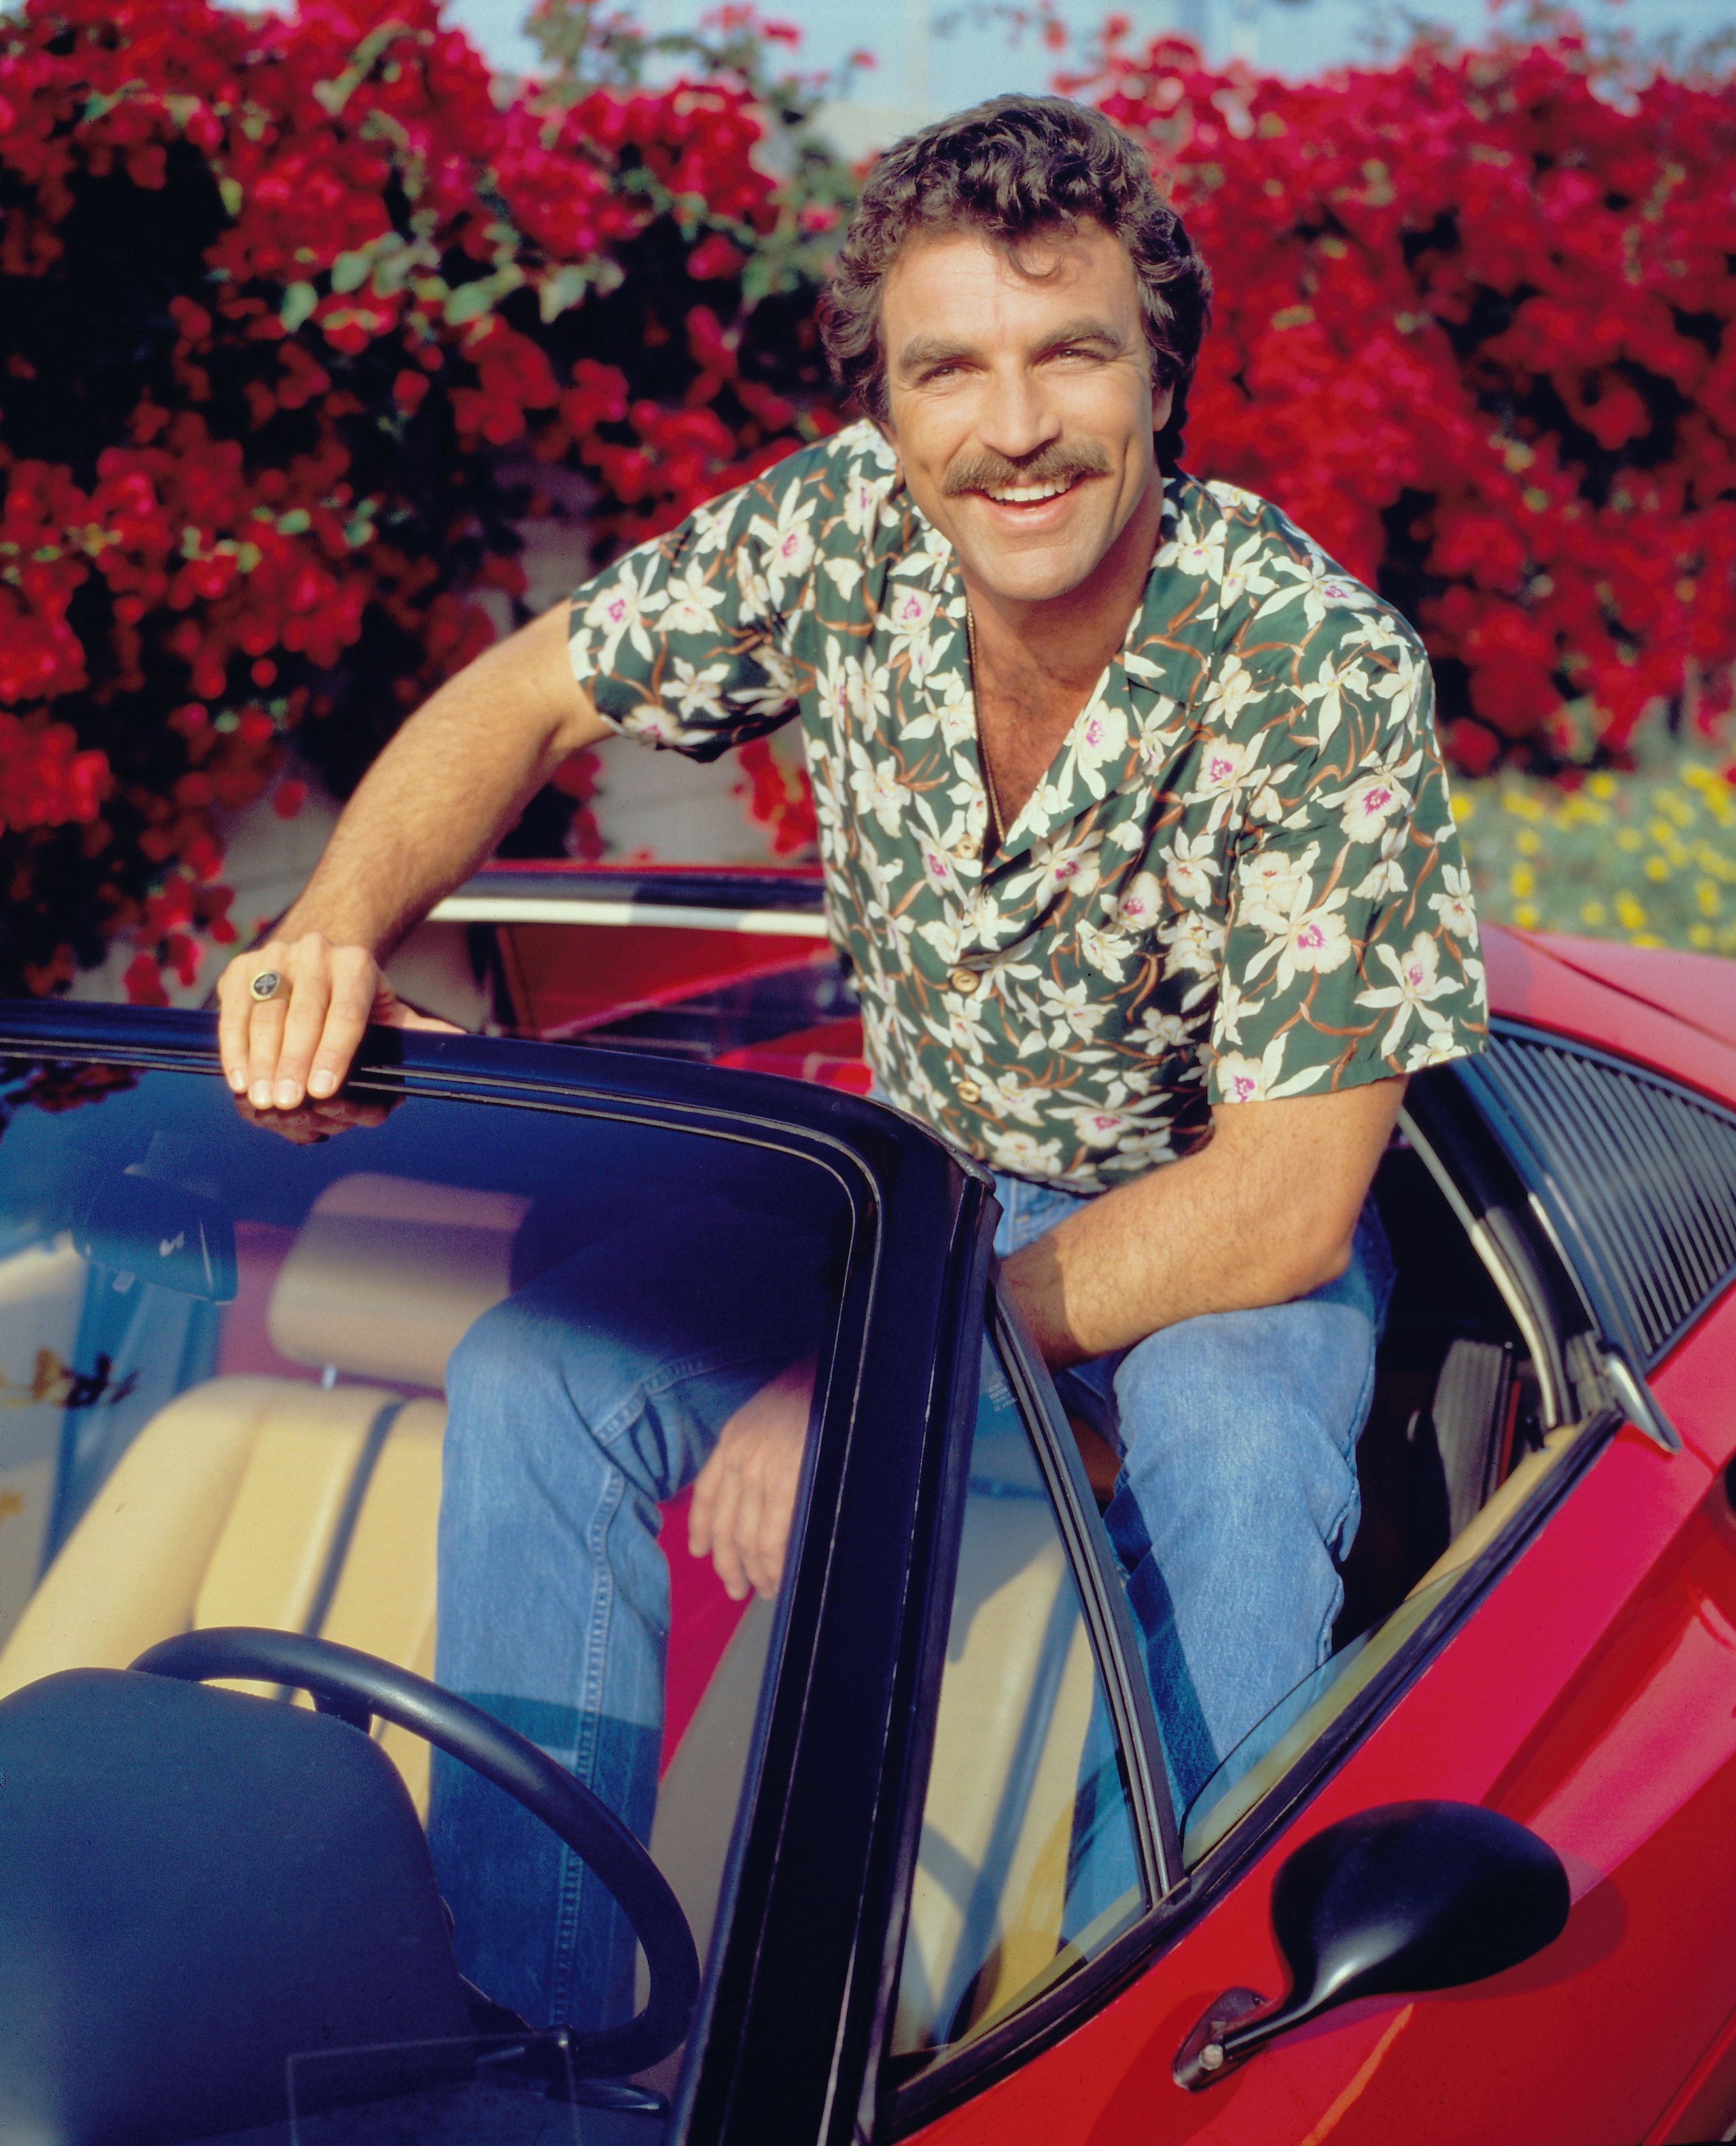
1163	401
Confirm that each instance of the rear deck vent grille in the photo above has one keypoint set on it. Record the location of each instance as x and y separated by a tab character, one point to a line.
1641	1176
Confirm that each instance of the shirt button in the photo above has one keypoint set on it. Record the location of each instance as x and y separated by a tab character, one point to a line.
968	1091
964	982
971	846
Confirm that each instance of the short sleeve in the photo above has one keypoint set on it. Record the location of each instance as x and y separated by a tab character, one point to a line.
685	641
1350	952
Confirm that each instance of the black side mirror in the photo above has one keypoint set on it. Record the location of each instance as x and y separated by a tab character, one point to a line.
1407	1897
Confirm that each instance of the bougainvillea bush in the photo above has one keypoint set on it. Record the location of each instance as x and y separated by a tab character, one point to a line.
1476	331
276	297
288	305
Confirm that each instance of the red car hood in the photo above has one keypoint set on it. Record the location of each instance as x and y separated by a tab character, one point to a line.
1674	1012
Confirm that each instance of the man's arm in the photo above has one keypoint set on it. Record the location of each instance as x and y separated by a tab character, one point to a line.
1265	1212
430	809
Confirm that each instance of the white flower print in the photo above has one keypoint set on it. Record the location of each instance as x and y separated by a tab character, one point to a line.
1074	1010
874	780
622	607
844	575
692	601
1024	1155
1142	904
1108	952
1227	692
1157	1031
1368	804
1453	906
696	692
1320	584
1226	768
1336	677
1244	1079
1193	941
1099	741
1418	984
789	541
1190	865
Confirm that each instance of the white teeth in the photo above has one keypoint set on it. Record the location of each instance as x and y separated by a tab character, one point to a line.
1026	495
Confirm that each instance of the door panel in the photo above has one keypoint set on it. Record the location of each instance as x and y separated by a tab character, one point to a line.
1593	1696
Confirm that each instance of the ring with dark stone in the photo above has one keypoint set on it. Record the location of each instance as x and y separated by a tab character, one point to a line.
265	985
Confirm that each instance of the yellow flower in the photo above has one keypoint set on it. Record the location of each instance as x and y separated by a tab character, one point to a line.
1629	912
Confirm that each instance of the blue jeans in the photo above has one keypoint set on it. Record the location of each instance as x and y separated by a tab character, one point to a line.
584	1401
1237	1496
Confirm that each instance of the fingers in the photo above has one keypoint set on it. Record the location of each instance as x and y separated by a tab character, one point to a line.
725	1546
299	1042
354	985
744	1498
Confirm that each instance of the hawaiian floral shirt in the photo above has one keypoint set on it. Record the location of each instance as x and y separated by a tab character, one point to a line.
1239	879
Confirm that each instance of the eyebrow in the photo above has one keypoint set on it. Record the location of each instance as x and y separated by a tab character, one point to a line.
934	350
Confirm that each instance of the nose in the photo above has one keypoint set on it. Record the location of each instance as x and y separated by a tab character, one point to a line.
1016	416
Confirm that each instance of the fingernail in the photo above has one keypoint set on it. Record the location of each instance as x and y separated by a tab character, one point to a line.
236	1079
288	1095
320	1082
261	1094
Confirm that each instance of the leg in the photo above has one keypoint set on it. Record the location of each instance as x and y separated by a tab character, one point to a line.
575	1407
1237	1493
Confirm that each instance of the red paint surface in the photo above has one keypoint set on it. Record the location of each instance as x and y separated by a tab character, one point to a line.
1594	1698
1527	982
1697	988
702	1621
571	978
830	1053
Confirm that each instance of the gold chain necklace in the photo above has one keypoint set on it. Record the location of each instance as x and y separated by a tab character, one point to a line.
982	751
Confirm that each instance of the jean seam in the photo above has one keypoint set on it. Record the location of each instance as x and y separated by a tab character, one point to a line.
664	1380
1358	1416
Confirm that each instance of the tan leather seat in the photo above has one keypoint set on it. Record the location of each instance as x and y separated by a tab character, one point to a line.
301	1506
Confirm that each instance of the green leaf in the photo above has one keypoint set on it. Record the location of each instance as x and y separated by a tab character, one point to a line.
469	302
299	301
562	290
350	271
295	523
230	189
247	557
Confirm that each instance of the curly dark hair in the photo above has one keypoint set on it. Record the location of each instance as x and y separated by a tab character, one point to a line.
1011	167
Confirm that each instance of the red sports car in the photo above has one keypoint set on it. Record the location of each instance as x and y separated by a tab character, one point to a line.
913	1871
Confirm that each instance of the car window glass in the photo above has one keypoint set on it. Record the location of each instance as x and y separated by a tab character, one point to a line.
1028	1864
232	1367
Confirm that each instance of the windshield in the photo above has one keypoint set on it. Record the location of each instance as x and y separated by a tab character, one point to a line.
434	1380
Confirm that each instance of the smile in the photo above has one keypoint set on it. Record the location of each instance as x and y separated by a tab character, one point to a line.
1026	495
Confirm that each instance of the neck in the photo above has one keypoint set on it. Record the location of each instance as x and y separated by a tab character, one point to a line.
1068	639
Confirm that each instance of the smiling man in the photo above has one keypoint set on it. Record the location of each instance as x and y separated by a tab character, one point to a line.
1137	842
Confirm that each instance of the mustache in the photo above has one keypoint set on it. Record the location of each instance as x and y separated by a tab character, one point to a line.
982	470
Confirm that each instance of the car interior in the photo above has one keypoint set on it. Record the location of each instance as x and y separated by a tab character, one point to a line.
257	1442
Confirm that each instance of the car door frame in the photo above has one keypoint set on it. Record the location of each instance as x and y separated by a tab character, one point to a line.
1487	1192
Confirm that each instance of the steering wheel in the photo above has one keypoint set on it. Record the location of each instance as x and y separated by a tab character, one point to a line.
355	1687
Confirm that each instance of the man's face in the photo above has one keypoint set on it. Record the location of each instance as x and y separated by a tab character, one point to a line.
1022	411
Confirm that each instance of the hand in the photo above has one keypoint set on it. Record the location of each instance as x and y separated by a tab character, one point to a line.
300	1043
745	1495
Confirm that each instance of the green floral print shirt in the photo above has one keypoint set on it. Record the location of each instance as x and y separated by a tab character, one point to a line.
1239	880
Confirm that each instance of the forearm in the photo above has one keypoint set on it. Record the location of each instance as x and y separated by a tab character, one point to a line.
438	799
1265	1212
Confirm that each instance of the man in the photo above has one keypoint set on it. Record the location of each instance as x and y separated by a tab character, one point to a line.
1137	841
